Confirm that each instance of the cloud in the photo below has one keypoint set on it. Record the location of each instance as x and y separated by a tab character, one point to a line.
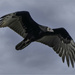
36	58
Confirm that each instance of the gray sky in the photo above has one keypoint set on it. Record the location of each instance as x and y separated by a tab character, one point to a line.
36	58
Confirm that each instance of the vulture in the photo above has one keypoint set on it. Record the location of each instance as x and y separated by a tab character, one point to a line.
58	39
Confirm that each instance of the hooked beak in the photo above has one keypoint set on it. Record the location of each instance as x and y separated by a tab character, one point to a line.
50	30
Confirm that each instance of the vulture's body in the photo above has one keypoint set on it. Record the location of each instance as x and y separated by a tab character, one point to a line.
59	39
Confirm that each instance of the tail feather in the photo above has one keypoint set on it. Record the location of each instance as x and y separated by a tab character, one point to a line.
22	45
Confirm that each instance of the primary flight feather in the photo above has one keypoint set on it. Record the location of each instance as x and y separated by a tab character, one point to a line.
59	39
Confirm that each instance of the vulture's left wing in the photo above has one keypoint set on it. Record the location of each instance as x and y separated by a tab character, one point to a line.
62	44
18	28
13	22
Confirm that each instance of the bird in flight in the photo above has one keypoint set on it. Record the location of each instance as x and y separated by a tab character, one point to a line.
59	39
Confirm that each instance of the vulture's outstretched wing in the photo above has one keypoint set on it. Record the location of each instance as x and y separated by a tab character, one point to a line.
18	21
14	22
21	22
62	43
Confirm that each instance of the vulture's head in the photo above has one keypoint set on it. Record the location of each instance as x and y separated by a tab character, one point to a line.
45	28
7	19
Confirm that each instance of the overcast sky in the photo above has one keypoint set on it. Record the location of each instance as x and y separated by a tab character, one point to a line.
36	58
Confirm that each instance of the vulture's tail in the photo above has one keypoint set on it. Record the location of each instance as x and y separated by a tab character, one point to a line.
22	44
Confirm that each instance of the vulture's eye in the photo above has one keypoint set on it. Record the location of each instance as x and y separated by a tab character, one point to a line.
49	29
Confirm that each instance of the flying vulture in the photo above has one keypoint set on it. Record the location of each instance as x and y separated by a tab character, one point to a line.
59	39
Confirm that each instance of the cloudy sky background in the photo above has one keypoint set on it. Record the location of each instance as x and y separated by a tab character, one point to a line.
36	58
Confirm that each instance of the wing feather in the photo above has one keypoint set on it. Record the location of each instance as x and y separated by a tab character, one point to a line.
14	22
17	27
62	48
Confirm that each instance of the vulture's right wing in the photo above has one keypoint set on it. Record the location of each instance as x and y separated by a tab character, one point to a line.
63	45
